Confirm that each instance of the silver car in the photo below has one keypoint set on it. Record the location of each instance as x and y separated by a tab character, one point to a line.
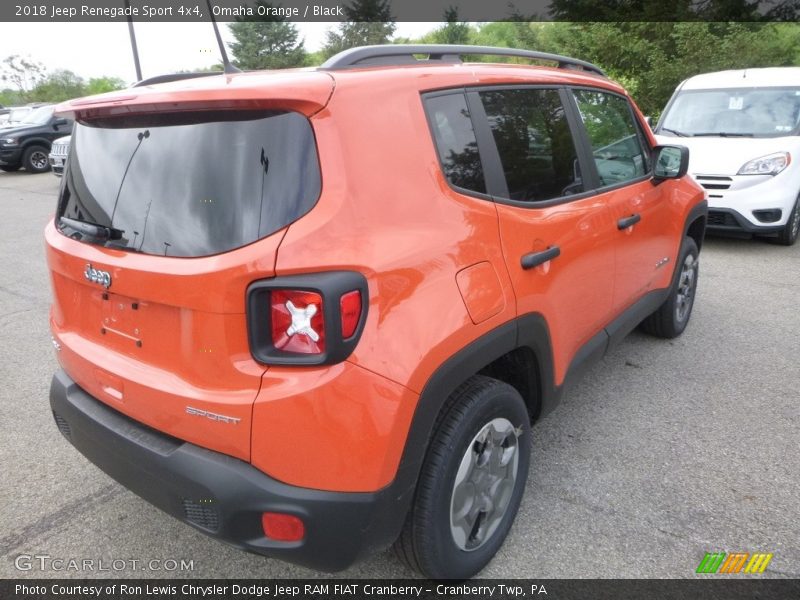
58	154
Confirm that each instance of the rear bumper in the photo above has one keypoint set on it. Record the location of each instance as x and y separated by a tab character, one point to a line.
222	496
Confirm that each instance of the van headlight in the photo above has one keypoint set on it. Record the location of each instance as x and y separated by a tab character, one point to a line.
9	141
772	164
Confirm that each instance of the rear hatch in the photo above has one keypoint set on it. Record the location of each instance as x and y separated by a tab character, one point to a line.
170	206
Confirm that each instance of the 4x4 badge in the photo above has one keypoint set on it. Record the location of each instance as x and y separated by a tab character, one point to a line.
97	276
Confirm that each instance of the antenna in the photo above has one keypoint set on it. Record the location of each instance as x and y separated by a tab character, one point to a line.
133	43
227	65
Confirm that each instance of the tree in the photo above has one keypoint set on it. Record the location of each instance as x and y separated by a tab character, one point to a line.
651	59
21	73
628	10
266	43
453	31
369	22
100	85
505	34
59	85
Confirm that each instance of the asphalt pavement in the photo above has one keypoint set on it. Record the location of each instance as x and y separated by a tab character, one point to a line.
666	450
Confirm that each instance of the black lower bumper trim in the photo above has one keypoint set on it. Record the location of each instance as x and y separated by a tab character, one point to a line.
222	496
727	219
11	157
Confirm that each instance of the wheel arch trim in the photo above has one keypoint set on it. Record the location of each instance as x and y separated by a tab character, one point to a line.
698	213
528	331
36	141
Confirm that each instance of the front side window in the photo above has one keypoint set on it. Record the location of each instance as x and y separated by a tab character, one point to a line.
455	141
534	142
192	184
615	139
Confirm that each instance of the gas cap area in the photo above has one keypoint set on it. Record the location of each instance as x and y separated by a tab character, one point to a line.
481	291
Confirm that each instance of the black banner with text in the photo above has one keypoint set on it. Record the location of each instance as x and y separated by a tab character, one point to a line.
408	589
400	10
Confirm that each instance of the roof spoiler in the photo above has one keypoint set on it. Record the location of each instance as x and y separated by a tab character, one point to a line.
174	77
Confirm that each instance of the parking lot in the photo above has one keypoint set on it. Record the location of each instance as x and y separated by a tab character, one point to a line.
665	451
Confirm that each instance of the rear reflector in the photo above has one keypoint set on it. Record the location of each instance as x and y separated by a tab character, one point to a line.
350	305
282	527
297	321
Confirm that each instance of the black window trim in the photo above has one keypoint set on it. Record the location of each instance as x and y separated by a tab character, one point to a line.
494	179
585	141
432	130
500	193
493	174
583	146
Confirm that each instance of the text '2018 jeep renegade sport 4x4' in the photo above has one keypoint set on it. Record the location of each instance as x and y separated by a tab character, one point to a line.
314	312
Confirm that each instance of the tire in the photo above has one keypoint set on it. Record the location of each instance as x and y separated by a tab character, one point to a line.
439	540
35	160
788	235
10	168
671	318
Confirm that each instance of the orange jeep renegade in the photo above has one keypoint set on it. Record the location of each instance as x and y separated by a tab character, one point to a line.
315	312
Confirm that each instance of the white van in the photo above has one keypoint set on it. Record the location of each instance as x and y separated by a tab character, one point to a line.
742	129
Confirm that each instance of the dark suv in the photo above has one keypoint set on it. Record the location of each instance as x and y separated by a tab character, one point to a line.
28	143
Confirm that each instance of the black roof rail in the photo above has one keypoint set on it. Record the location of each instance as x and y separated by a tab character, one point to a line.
403	54
174	77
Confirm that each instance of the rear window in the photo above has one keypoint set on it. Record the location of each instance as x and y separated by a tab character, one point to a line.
190	184
455	141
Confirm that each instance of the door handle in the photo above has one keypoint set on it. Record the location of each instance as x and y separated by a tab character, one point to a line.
534	259
628	221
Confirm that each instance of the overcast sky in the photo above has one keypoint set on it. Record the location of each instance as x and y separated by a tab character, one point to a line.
99	49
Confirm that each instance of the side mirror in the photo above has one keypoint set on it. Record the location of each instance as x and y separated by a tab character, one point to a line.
649	121
670	162
58	122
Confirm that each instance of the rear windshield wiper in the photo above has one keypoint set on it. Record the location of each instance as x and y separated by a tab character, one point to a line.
721	134
675	131
99	232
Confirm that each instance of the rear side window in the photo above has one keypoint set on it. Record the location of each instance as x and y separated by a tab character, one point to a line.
193	184
615	138
535	144
455	141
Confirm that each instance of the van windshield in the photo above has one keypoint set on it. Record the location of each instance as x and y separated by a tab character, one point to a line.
751	112
189	184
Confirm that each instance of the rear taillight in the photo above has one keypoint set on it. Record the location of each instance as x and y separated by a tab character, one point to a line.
350	306
306	319
298	324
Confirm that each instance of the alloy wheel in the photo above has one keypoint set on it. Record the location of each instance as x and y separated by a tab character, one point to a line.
484	484
39	160
686	286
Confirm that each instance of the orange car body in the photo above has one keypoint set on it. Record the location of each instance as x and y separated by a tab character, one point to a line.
442	270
